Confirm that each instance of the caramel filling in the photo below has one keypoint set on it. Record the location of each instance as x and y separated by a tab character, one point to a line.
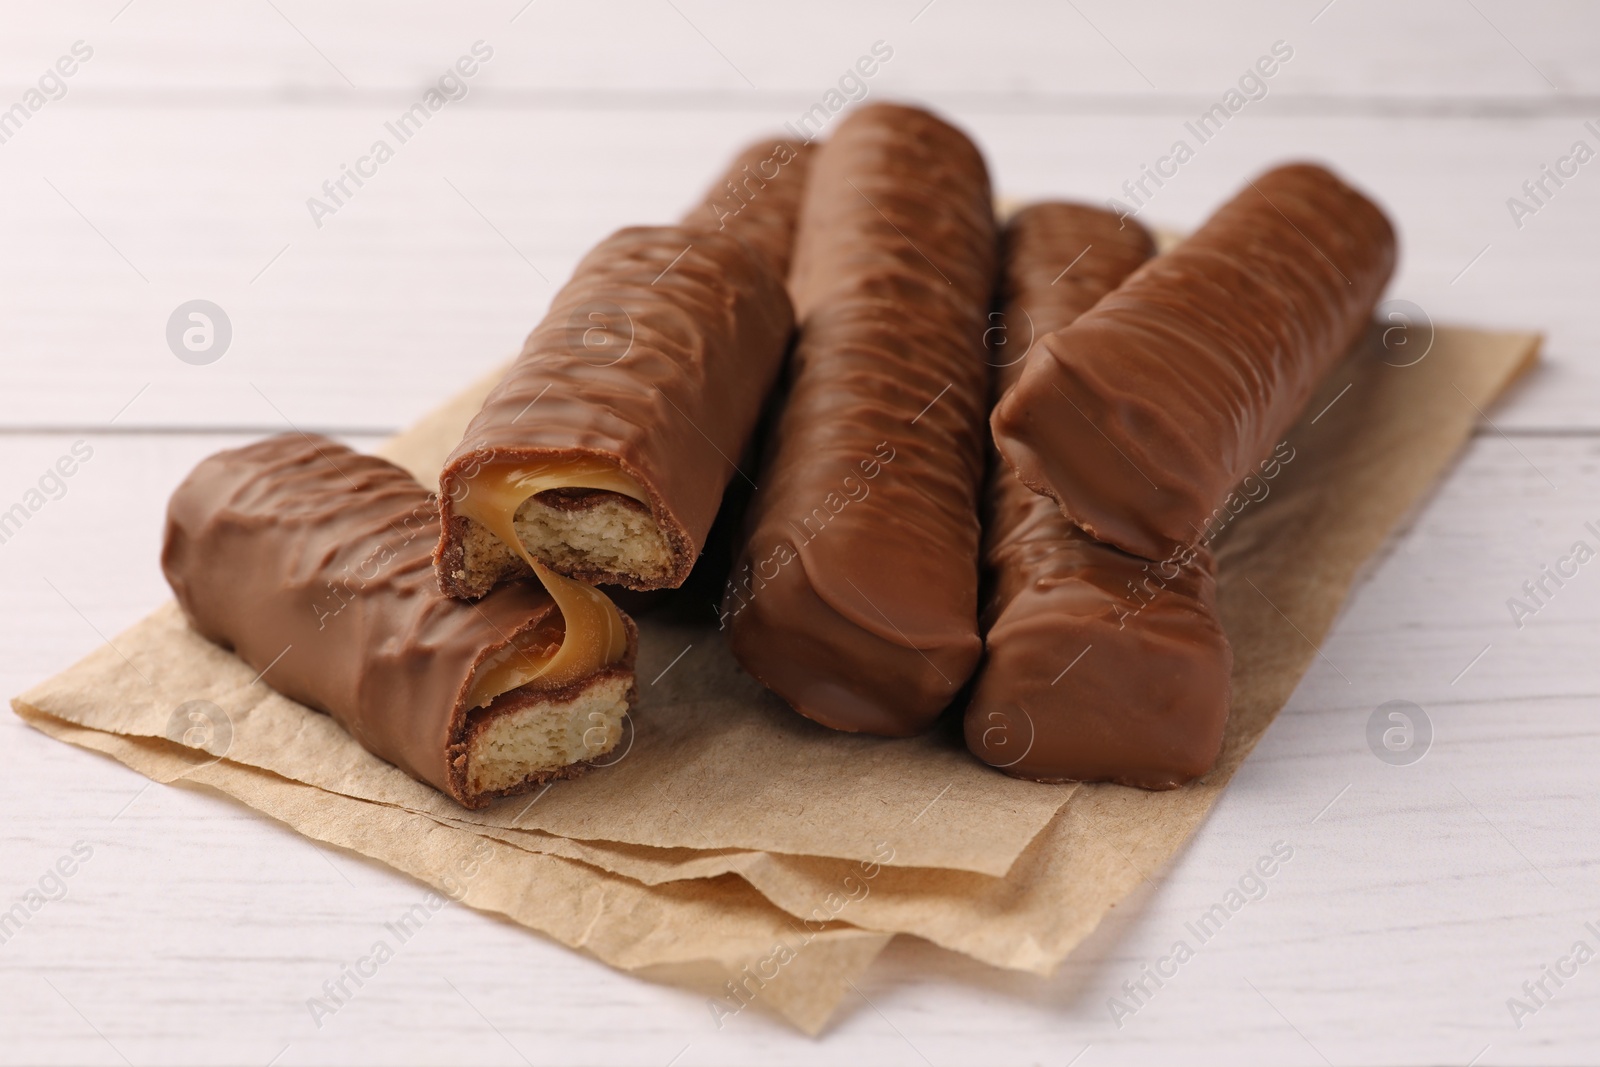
523	661
591	635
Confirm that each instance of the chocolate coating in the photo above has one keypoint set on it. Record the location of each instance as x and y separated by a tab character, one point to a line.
757	199
1099	665
1140	417
313	564
855	598
656	357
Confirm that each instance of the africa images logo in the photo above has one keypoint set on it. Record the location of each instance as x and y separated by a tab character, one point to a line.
204	730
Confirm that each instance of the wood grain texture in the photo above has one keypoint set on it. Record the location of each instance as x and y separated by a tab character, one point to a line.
1418	899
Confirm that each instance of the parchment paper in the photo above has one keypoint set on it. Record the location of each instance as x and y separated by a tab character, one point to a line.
714	761
745	795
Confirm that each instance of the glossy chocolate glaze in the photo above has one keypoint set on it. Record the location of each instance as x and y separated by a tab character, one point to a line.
1098	665
1141	416
694	328
855	598
757	199
313	564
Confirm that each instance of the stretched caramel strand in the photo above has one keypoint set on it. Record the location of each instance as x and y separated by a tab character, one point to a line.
855	598
1140	417
1099	665
604	452
757	199
314	564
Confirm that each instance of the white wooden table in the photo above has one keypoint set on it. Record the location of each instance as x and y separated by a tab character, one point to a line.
177	166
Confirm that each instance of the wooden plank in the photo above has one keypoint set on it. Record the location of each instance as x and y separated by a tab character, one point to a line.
1423	49
435	268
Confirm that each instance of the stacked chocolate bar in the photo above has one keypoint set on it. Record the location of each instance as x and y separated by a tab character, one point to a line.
975	468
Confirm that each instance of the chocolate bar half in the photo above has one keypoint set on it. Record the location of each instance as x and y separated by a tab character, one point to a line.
313	564
604	452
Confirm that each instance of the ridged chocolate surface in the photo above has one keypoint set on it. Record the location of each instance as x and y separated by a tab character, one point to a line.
656	356
1098	665
855	598
757	199
1142	415
314	564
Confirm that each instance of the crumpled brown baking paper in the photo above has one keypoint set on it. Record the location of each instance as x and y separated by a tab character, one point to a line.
721	781
712	760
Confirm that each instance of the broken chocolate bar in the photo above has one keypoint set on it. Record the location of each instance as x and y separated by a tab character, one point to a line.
604	452
313	564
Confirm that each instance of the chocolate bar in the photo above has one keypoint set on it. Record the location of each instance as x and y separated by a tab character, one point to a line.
757	199
313	564
1099	665
855	597
1142	416
604	452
